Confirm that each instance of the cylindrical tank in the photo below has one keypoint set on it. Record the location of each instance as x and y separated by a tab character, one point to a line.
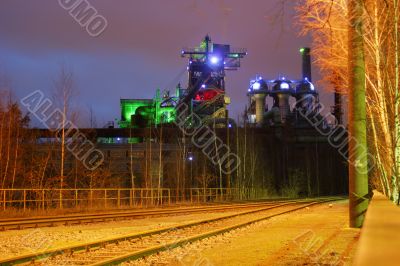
281	92
260	107
258	91
283	99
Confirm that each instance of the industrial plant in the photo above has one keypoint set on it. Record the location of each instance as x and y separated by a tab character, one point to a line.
139	150
207	97
276	149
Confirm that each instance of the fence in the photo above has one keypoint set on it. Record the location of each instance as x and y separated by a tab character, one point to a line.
106	198
82	198
198	195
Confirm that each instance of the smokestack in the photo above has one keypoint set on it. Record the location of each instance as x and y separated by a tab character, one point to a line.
306	63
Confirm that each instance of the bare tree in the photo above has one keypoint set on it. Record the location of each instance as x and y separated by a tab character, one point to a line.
63	93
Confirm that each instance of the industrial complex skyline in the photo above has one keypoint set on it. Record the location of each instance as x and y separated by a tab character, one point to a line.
139	51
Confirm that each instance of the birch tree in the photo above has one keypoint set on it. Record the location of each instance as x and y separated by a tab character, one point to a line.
326	21
63	93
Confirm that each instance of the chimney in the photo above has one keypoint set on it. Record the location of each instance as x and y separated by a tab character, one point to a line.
306	63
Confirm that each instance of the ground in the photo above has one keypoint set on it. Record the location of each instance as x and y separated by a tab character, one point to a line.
318	235
315	236
19	242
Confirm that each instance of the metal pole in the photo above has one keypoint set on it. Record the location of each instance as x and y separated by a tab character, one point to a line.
91	198
76	198
61	199
43	199
228	125
131	193
119	198
24	199
105	198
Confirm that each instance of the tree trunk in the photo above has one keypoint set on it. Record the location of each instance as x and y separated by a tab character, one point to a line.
358	168
396	196
131	159
160	166
8	147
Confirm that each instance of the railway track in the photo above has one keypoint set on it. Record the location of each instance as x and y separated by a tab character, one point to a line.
23	223
116	250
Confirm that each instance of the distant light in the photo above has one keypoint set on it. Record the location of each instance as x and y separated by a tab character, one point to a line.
190	61
249	90
302	50
256	85
203	86
118	139
283	78
284	86
190	158
230	125
311	85
215	60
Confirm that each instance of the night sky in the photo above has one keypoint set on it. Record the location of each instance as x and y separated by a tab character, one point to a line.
140	49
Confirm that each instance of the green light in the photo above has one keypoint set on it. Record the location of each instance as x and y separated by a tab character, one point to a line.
302	50
148	109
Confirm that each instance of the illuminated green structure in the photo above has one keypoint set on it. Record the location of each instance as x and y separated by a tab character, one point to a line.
137	113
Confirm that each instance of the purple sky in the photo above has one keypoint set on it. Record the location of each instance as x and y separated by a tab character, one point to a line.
140	49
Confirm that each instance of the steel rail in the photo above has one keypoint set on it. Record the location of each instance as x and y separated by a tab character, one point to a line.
70	219
174	244
100	243
138	254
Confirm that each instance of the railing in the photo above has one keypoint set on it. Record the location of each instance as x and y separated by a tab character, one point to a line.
82	198
202	195
108	198
380	234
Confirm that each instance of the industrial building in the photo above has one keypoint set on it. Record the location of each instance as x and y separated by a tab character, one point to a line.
205	94
277	147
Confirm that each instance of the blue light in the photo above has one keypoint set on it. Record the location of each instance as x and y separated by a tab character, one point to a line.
230	125
284	86
203	86
215	60
256	85
311	85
